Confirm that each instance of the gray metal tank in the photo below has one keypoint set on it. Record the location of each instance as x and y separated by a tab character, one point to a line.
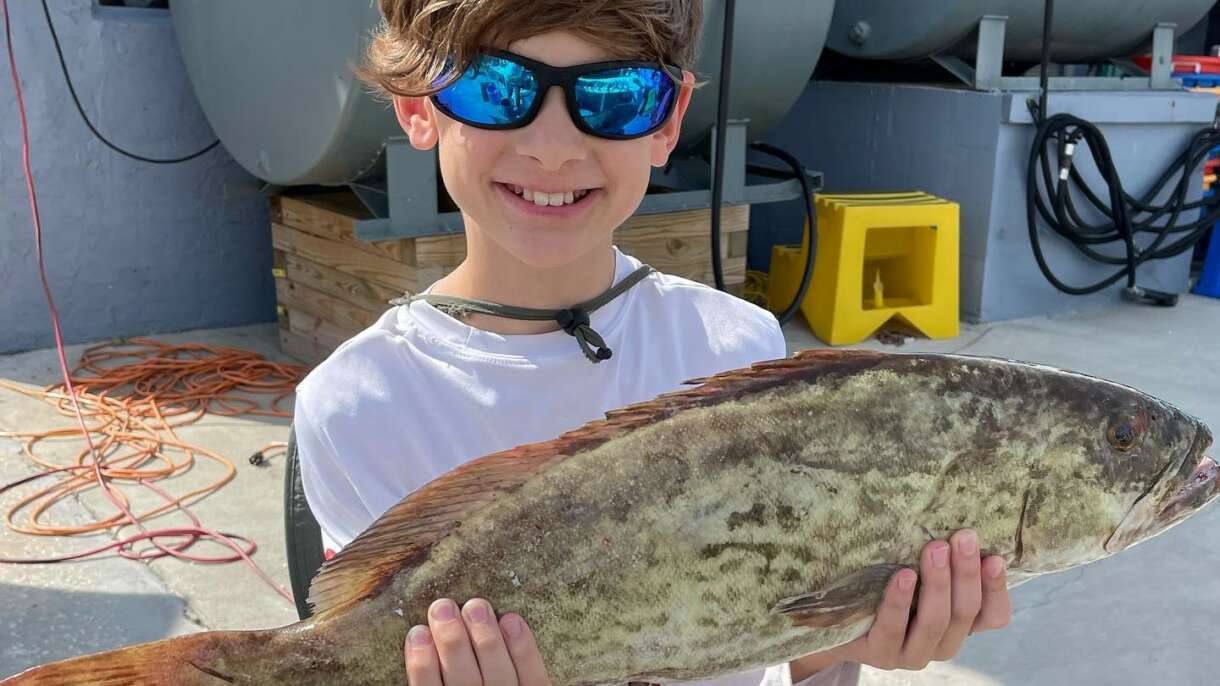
273	78
1083	29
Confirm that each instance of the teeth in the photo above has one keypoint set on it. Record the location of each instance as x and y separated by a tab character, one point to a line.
548	199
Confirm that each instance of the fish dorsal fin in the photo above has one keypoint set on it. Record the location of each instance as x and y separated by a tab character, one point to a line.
403	536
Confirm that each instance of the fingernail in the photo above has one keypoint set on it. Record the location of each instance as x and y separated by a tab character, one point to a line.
940	555
512	625
478	612
968	543
995	571
444	611
906	580
419	636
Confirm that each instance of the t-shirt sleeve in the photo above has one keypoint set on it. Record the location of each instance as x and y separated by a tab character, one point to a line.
334	501
777	347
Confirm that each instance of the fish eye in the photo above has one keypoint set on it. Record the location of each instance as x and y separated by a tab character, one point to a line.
1124	433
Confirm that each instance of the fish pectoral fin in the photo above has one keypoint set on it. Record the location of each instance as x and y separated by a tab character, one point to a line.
849	599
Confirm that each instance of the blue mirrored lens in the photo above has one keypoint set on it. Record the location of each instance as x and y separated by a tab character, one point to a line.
492	91
624	102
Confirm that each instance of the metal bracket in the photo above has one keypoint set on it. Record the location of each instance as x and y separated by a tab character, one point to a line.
987	72
989	58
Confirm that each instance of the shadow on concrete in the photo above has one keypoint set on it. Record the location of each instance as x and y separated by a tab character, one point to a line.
45	625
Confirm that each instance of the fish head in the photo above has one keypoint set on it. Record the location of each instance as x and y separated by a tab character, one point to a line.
1117	467
1183	488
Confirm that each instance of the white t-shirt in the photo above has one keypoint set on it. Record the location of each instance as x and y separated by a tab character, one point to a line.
419	393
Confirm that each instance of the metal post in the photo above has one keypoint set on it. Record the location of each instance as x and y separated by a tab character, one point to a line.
734	188
989	58
1162	56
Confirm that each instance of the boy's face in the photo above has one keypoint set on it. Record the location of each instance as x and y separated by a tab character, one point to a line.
480	167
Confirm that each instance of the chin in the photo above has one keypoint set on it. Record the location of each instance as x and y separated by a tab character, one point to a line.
546	249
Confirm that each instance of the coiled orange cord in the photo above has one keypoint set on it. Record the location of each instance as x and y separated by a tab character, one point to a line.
133	394
130	404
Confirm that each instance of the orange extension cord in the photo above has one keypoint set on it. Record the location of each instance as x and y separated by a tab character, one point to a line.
130	405
133	395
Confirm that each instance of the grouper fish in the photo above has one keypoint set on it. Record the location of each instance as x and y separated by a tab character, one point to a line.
751	518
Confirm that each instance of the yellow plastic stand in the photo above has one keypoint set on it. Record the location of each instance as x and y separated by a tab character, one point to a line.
880	256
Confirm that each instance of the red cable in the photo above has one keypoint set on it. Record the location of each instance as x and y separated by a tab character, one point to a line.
146	534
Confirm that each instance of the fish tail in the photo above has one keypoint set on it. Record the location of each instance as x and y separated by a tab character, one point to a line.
204	659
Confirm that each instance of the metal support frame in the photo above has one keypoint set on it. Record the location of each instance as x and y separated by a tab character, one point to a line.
404	203
987	72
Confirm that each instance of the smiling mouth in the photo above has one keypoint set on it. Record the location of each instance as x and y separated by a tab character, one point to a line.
542	201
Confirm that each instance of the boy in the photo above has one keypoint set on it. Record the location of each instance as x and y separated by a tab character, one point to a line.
541	189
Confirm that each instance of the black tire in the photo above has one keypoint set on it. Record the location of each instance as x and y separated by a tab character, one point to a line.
302	535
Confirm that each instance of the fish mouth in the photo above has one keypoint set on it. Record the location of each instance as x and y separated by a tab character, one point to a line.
1198	492
1172	498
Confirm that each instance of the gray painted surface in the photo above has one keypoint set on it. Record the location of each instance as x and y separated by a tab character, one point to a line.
972	148
131	248
1082	30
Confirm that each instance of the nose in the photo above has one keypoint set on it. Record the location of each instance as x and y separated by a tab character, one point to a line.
552	138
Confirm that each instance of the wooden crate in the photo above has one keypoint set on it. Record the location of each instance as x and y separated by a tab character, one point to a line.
330	285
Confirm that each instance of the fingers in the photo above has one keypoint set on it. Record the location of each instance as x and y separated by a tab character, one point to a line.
967	593
996	611
524	651
458	664
494	663
423	664
470	648
888	632
935	603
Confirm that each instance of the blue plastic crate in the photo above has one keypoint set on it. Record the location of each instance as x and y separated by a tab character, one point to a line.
1209	281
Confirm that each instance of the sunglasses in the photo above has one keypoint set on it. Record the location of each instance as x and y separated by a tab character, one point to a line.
617	100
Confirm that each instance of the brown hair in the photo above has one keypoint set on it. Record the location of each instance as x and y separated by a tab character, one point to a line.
409	49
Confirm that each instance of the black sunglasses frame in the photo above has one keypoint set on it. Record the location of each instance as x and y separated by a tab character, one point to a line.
565	77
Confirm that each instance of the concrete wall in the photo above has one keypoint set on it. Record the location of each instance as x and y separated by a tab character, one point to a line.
131	248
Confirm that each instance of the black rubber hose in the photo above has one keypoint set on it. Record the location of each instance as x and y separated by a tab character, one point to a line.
1120	211
722	113
799	171
97	134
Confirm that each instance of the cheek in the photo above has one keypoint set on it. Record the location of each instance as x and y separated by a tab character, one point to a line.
467	159
627	169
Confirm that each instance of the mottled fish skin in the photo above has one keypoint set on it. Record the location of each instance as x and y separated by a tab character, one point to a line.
660	553
679	537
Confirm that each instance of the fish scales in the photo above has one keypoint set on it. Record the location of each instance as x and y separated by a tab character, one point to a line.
745	522
656	511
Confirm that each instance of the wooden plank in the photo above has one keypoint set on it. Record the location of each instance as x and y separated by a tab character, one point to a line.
688	223
340	313
367	295
302	348
739	243
326	334
344	258
440	251
333	216
678	243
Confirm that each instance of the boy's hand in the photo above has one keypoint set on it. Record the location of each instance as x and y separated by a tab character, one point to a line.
960	595
470	648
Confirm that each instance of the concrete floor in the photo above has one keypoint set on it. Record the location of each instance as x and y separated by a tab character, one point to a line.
1143	617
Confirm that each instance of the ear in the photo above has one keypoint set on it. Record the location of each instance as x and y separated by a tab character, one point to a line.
665	138
417	117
